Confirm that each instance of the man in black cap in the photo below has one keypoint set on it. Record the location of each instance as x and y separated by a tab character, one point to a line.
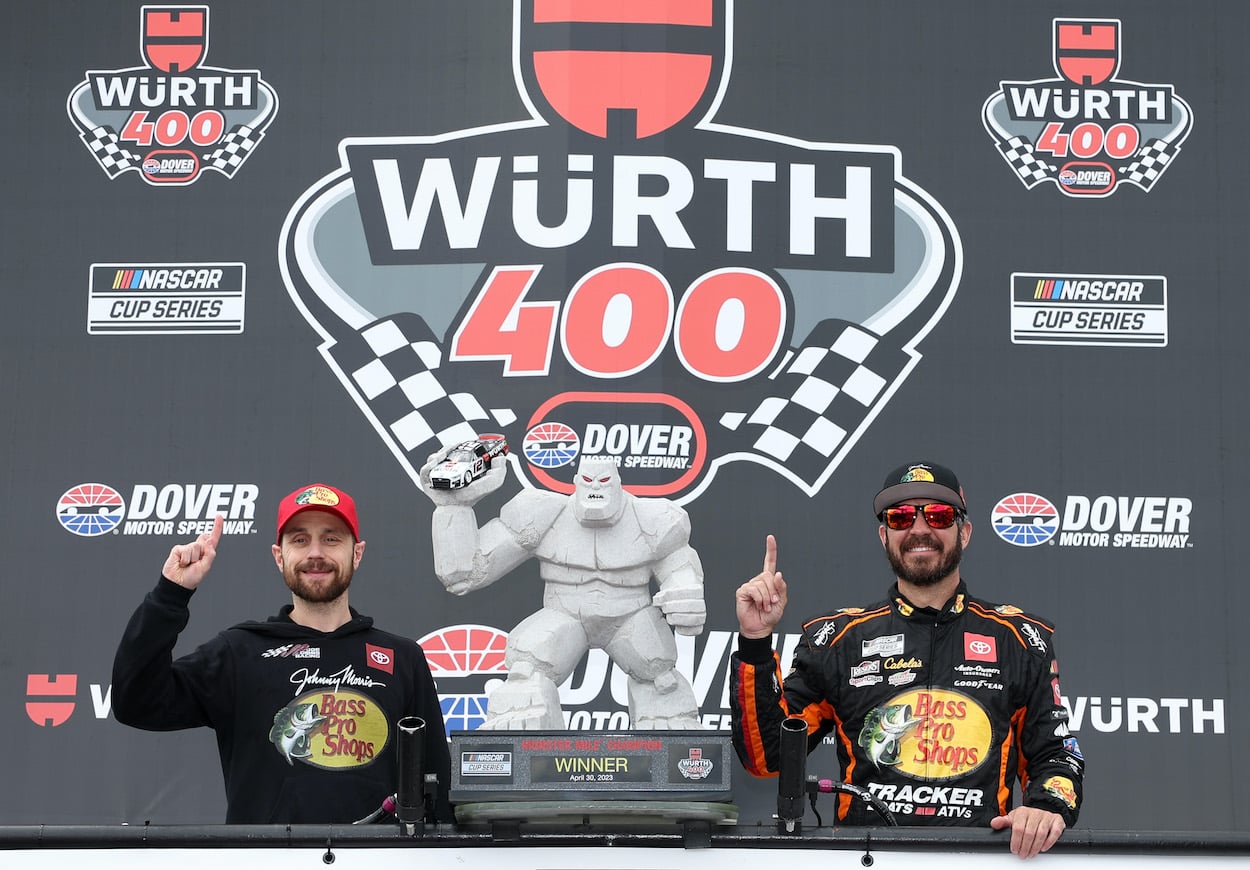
937	701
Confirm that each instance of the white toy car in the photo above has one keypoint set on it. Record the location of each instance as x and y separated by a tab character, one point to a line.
463	463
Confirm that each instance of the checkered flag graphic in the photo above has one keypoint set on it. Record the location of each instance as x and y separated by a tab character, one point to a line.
829	387
1149	163
392	365
1022	158
233	149
108	149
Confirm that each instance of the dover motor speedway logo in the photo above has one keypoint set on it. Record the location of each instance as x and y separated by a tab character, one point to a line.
618	274
1087	131
172	118
467	662
1027	519
459	652
93	509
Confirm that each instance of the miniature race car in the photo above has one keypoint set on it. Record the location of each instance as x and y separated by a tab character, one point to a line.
465	462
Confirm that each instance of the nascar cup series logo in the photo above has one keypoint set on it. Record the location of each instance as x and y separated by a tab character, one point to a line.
173	118
1104	310
166	298
1026	519
1087	132
619	275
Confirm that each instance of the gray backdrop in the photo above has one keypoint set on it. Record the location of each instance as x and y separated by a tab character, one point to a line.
1137	413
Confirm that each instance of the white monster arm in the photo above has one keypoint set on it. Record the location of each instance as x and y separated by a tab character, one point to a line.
680	576
677	568
466	557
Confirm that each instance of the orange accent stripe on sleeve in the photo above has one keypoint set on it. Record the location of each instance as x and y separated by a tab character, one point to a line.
848	775
1005	779
757	763
817	714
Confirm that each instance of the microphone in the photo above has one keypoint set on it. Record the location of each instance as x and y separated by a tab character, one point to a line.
410	752
792	775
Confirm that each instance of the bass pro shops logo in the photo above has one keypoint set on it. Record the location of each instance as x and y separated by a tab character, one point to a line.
619	273
1087	131
173	118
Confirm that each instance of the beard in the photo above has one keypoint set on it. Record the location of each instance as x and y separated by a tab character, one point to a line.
318	592
930	574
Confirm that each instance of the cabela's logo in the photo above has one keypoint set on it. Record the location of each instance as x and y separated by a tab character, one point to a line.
620	270
173	118
1087	131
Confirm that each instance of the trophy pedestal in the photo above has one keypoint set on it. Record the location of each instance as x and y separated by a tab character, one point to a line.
567	813
584	778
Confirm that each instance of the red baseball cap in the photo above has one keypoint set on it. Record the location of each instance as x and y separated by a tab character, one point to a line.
319	497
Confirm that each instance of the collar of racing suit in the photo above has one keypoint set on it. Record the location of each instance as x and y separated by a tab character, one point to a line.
950	610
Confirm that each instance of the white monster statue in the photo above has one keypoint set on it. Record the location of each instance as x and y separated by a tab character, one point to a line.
599	550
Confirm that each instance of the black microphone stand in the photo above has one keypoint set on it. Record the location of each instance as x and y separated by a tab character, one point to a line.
792	775
410	795
793	782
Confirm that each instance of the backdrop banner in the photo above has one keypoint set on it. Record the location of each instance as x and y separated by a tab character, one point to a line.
750	254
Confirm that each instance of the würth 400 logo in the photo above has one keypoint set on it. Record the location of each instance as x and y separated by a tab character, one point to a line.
1087	131
173	118
619	274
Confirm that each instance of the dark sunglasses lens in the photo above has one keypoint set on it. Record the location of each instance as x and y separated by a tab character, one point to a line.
939	516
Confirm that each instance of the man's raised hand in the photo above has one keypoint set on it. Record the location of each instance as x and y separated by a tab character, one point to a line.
188	563
761	600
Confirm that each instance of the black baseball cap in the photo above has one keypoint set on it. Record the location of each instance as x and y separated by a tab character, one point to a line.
920	480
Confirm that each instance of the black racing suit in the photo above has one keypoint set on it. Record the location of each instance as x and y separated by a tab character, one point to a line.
936	712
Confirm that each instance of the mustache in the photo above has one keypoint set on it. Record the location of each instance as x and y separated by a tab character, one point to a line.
316	565
921	541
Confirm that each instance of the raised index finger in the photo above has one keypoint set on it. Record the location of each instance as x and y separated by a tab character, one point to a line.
215	535
770	555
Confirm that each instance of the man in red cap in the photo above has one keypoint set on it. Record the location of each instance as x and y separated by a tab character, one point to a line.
304	704
936	701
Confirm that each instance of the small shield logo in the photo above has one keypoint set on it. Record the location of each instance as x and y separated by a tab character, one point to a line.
1087	53
628	70
174	38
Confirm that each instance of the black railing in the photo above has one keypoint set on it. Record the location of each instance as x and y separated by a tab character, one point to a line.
1078	841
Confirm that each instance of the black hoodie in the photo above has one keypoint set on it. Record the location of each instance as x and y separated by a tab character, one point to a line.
305	719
